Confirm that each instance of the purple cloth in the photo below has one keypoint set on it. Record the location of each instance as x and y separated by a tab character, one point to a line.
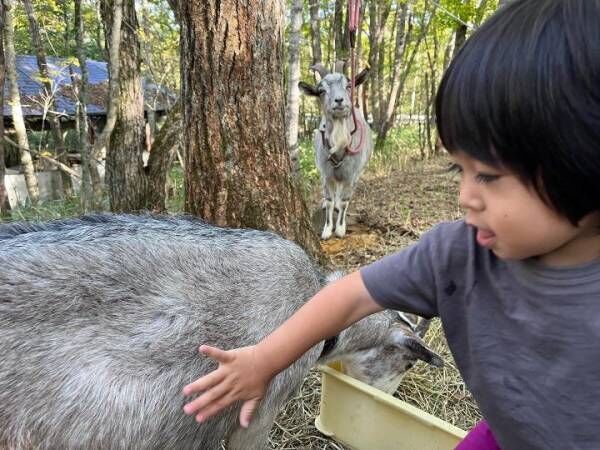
479	438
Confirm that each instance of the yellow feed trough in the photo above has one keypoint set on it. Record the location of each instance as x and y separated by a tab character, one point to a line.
365	418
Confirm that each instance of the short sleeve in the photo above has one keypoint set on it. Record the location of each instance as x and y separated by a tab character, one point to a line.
408	280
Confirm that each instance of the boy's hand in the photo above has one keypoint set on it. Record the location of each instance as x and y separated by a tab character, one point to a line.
238	377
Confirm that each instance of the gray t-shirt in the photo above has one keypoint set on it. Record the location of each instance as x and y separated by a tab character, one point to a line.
526	338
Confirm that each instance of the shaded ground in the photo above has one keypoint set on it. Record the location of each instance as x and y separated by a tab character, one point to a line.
388	212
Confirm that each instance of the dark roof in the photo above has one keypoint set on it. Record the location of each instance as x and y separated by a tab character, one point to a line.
31	88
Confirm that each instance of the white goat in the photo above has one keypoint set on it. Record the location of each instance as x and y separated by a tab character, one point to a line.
343	144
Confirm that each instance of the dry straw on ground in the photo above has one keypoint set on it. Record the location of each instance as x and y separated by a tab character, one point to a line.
390	210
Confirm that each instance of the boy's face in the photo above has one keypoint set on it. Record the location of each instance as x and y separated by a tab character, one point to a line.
513	221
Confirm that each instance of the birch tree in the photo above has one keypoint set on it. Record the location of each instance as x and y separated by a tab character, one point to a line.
293	93
86	192
49	97
15	102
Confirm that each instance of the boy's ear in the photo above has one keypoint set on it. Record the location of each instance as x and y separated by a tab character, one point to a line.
362	77
308	89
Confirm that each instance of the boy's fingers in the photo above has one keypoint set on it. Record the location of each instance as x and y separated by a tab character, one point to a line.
215	353
204	383
247	412
210	397
213	409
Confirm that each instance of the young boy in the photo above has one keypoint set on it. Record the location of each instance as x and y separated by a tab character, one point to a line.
517	282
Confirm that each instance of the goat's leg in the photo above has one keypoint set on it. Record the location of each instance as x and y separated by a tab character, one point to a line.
328	192
342	201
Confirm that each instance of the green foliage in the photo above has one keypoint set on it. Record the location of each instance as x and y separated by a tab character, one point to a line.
54	209
401	146
308	169
56	21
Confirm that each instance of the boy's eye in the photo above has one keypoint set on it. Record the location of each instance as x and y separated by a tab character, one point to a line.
454	168
486	177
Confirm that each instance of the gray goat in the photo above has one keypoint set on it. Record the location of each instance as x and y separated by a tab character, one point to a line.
343	144
101	318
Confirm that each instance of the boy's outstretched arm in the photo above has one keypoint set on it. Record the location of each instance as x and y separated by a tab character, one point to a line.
245	373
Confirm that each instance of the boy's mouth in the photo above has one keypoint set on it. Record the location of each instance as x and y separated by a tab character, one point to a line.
485	238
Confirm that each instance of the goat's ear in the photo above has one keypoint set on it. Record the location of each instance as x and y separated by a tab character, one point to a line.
308	89
417	348
362	77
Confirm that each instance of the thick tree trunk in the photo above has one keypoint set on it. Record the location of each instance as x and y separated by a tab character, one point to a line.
53	118
86	192
4	208
237	169
315	31
15	99
293	92
125	177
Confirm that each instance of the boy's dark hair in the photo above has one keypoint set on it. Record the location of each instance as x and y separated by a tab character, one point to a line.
524	93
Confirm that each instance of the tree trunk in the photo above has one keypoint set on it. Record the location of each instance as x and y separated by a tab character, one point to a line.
15	100
293	93
340	31
237	170
114	10
168	141
315	32
53	118
86	193
387	119
125	177
4	207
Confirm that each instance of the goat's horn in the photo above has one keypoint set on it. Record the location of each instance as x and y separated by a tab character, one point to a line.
320	69
339	66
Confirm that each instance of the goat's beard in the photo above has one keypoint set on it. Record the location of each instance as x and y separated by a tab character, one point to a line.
339	136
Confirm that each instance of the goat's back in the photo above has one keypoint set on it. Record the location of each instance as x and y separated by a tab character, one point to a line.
101	318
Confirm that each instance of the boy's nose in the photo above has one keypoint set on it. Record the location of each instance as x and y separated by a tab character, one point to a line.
468	198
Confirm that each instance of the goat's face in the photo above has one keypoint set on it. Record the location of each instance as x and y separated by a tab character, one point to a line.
379	349
333	92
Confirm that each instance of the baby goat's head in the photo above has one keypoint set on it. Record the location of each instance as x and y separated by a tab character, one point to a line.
379	349
333	91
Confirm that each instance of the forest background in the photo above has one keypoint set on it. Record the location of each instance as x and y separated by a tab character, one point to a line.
234	144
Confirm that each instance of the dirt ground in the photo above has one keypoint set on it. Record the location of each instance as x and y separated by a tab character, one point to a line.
390	210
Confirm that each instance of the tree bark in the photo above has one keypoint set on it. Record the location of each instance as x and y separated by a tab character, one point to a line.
114	10
340	31
125	177
397	78
86	192
4	207
237	170
53	117
293	92
15	99
166	144
315	31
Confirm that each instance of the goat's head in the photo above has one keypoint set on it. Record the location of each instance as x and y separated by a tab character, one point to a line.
379	349
333	91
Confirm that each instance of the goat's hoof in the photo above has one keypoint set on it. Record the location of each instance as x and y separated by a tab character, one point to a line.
340	233
326	234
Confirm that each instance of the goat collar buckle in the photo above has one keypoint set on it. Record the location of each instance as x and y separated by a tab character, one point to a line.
335	161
